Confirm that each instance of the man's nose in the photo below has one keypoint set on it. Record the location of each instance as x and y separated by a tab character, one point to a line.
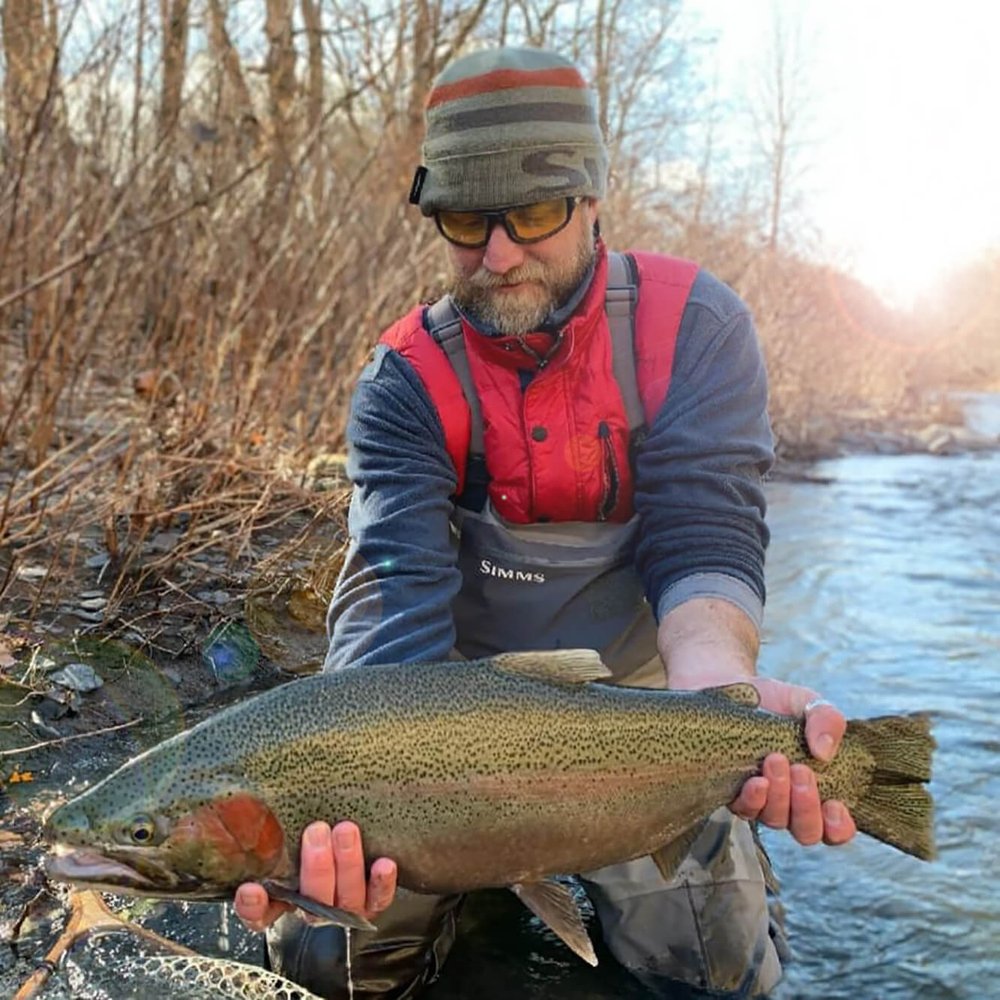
501	253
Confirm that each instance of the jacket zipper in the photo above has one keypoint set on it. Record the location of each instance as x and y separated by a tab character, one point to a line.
609	477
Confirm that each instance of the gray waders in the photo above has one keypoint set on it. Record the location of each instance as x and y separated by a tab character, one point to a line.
705	932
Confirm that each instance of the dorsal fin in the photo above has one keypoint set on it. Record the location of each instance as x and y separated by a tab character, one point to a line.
741	692
557	666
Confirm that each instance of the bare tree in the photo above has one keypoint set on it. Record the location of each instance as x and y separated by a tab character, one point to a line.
30	46
780	114
235	103
174	23
281	84
140	40
312	17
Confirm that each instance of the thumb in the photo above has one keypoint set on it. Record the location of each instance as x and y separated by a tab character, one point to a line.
825	728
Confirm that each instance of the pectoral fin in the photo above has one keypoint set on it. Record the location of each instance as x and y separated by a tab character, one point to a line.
553	904
326	914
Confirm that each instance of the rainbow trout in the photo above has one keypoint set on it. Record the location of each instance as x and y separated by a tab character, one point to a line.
494	772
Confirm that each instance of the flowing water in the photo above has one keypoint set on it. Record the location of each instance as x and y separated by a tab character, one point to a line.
884	595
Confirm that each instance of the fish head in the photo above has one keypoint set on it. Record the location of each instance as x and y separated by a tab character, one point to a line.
196	839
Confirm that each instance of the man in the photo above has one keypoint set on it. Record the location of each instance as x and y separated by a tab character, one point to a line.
516	486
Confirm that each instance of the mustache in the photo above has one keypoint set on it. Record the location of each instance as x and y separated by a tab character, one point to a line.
482	277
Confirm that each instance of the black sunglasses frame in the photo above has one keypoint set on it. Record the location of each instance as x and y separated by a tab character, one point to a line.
500	216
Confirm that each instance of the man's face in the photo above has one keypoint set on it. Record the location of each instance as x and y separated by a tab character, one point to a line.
514	286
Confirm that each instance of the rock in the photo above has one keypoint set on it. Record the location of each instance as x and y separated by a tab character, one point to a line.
38	721
214	596
935	438
171	675
163	541
943	439
32	572
77	677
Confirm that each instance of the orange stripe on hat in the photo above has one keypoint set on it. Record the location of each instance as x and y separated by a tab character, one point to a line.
505	79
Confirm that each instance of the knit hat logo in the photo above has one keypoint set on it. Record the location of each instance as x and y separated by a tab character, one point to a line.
509	127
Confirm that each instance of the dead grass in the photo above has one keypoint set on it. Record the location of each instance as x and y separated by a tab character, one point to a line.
179	337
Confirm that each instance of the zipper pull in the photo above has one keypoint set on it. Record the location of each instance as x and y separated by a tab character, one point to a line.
609	473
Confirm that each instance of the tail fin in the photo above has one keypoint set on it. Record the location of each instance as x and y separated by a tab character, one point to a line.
897	808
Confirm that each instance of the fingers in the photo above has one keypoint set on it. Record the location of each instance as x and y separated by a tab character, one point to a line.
786	797
254	907
838	824
776	808
825	725
753	795
805	817
381	886
318	875
333	870
825	728
350	865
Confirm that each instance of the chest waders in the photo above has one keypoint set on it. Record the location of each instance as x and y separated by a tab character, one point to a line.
706	932
552	585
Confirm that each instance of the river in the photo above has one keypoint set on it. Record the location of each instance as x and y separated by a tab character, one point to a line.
884	595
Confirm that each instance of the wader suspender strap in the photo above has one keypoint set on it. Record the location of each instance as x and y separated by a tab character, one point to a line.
619	303
444	324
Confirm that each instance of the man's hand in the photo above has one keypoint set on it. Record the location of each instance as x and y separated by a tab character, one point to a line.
331	871
786	797
707	642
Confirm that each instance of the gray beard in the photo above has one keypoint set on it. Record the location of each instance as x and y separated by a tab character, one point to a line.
474	294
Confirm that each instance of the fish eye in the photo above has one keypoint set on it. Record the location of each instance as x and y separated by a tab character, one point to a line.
142	830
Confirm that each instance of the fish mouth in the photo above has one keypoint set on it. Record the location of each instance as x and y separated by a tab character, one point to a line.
123	871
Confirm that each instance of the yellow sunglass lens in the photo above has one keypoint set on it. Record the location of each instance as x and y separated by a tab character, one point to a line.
463	227
531	221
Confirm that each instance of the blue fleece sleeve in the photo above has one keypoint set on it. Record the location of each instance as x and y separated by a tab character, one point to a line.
700	470
392	601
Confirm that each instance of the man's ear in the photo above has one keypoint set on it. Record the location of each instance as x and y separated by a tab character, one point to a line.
593	204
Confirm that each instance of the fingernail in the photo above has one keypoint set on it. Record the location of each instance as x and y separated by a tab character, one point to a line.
800	779
316	835
833	813
824	746
246	897
345	838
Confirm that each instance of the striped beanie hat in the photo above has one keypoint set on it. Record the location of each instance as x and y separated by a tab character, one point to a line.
509	127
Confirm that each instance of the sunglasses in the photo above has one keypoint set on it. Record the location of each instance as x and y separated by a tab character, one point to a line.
523	223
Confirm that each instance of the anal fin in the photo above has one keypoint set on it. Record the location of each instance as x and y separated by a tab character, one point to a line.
553	904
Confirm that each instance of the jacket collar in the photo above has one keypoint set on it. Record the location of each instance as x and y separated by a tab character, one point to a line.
555	342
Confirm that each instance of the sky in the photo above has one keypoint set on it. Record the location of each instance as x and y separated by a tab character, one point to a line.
902	173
